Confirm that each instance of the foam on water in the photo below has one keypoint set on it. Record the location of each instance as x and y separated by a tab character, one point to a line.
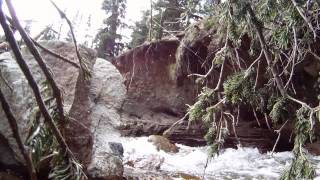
241	163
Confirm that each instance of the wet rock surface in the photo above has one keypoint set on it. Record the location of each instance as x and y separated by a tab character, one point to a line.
163	143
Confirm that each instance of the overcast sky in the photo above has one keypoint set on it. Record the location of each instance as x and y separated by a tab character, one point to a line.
42	13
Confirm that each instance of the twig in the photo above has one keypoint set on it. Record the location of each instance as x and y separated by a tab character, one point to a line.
220	76
63	15
238	115
299	102
238	59
293	57
6	82
15	130
267	121
257	77
213	61
255	61
278	138
180	121
256	117
55	54
233	126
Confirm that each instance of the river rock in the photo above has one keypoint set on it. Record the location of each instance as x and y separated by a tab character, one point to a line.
163	143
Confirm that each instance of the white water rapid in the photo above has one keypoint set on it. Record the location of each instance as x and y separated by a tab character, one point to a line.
241	163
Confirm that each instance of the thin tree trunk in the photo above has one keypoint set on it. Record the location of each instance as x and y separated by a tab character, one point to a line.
26	71
15	131
45	69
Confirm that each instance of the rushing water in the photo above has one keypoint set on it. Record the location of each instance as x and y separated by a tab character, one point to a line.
241	163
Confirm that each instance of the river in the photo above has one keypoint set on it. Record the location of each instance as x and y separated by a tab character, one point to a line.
241	163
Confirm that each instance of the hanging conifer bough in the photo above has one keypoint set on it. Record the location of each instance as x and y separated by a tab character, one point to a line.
283	36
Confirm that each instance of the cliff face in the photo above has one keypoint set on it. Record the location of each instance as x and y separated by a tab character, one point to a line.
154	102
156	98
158	85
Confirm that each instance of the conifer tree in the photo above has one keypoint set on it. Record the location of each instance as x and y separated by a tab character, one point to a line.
108	39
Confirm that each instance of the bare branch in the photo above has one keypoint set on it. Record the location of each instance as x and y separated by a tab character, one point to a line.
256	117
233	126
278	138
56	55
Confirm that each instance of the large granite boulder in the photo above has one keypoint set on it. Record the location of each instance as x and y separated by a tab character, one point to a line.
91	104
107	93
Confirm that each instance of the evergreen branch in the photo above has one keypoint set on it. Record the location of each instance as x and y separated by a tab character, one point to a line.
266	50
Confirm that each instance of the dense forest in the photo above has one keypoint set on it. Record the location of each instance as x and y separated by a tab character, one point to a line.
256	60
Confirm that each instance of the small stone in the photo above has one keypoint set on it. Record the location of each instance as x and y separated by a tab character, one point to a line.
116	148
